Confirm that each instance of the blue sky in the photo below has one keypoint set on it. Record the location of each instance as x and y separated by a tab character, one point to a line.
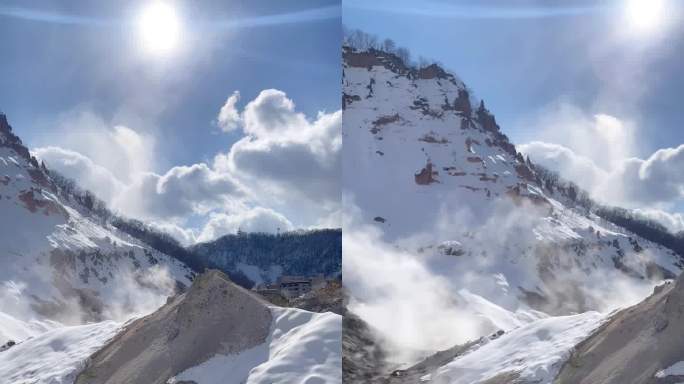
57	67
548	68
75	71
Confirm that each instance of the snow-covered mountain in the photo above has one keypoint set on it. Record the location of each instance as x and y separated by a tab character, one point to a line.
73	288
427	167
61	263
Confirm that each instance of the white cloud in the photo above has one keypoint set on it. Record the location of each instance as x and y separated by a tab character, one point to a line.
125	152
186	236
597	152
254	220
605	140
182	191
673	221
75	166
285	170
286	160
569	164
229	118
655	181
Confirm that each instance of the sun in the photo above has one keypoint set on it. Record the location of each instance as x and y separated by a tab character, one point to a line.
645	15
159	28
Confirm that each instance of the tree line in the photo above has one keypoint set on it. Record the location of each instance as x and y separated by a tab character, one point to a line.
363	41
631	220
306	251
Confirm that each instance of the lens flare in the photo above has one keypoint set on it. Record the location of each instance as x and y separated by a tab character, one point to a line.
159	28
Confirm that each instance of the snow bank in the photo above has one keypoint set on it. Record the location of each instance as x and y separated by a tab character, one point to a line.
534	352
303	347
676	369
56	356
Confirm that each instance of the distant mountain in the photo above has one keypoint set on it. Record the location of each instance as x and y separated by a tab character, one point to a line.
255	258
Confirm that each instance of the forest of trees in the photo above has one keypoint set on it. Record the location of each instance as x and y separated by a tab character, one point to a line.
305	253
300	252
643	226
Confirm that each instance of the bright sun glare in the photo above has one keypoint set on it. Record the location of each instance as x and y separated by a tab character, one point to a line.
159	28
645	15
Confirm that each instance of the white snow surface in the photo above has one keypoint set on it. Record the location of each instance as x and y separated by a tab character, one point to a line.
676	369
56	356
535	351
302	348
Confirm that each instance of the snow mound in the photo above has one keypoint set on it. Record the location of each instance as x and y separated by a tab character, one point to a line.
55	356
532	353
303	347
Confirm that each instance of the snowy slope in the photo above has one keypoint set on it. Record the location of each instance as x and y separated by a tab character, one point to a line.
56	356
302	347
427	167
531	354
60	262
433	170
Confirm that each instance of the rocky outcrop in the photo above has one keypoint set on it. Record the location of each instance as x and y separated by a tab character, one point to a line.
635	344
381	121
426	176
432	71
363	359
214	316
10	140
370	58
462	103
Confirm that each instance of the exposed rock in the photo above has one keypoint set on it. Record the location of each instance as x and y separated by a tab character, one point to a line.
214	316
368	59
9	344
430	364
426	175
432	71
462	103
384	120
634	344
433	139
348	99
363	359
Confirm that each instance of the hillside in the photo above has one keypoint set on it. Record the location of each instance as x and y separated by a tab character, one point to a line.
63	264
431	175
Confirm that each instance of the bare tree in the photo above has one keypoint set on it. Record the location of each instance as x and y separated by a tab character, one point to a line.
389	46
404	55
